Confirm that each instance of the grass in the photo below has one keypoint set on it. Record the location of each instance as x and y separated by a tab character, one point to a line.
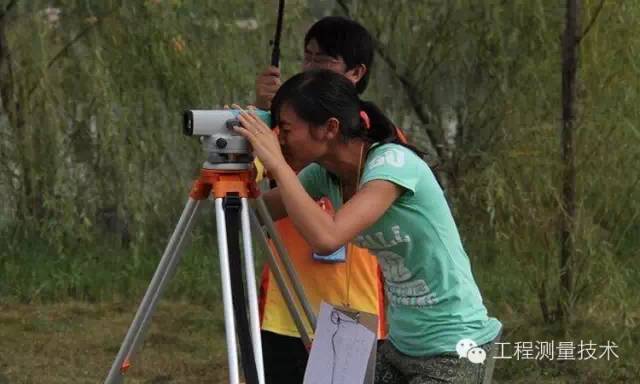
77	342
32	272
606	316
595	327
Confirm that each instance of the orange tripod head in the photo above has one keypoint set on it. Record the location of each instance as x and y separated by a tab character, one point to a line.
221	183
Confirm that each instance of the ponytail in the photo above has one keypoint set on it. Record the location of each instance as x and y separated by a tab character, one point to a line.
381	130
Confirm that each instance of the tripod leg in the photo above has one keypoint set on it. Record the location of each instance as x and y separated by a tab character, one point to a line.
252	292
169	272
262	213
280	281
227	300
165	268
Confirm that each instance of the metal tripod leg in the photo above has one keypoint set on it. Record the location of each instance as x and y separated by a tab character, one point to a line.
227	300
252	291
227	294
165	270
282	284
265	219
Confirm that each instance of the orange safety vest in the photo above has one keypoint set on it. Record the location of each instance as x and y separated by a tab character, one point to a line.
358	282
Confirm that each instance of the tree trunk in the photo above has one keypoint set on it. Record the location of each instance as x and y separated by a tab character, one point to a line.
567	139
12	108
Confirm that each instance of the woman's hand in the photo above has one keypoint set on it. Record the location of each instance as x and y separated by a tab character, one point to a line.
264	141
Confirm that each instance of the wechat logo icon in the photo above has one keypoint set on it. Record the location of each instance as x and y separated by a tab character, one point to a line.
468	349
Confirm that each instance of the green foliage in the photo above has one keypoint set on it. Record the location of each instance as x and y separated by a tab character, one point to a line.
104	273
94	141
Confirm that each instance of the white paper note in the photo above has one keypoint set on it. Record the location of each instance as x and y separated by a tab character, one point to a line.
340	351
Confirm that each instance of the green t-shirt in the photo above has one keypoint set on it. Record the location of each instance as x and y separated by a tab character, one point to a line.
433	299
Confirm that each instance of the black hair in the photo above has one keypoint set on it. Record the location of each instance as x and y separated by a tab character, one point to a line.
320	94
338	36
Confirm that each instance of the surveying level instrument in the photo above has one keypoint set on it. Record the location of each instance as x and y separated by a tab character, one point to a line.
227	177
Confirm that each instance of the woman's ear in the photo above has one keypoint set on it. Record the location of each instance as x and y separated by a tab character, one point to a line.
332	128
356	73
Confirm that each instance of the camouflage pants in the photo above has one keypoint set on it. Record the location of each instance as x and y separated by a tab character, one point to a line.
394	367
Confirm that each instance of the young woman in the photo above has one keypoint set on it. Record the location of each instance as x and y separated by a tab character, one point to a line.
388	201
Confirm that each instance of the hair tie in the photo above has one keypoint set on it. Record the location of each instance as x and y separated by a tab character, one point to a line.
365	118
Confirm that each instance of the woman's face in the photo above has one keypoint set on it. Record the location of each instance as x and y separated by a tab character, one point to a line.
301	143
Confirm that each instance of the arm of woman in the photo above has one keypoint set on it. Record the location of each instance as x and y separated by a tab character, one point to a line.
323	232
274	204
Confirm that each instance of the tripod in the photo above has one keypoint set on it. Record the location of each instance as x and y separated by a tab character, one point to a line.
231	185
